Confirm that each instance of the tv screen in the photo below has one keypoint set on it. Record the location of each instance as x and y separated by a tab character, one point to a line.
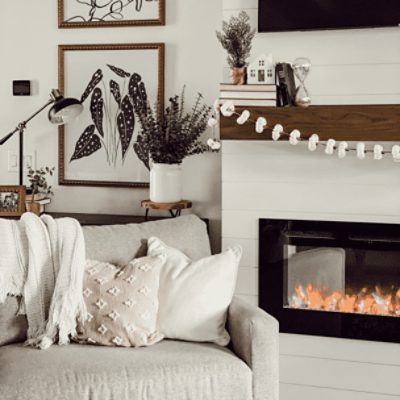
290	15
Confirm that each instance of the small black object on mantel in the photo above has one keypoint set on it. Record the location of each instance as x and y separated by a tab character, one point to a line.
286	85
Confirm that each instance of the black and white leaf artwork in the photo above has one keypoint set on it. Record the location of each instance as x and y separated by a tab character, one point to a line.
87	144
137	91
116	92
120	72
96	78
96	110
126	124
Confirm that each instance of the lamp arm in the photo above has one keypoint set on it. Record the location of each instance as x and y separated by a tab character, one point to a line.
22	125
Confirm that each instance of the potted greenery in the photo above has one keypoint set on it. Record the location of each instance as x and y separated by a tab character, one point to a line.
165	139
236	38
39	190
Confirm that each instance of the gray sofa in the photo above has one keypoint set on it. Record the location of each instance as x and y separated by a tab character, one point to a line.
170	370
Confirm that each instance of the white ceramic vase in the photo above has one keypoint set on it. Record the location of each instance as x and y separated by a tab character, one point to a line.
166	183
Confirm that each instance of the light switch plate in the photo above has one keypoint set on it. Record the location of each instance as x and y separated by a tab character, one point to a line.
13	161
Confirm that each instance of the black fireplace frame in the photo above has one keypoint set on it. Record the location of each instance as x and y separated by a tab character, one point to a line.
322	323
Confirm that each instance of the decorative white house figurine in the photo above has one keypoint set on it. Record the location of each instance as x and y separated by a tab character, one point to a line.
261	71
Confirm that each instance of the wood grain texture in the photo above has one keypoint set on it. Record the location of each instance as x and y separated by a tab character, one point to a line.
341	122
180	205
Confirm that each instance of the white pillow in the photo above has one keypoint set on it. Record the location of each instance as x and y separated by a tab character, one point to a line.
194	296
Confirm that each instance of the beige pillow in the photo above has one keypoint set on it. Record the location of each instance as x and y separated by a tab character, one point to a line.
122	303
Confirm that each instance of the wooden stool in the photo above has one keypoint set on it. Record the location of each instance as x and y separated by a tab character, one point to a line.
174	209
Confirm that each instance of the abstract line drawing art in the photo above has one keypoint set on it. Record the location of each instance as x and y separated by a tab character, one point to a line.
108	13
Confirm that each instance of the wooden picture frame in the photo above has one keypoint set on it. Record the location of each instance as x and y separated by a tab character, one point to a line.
117	13
78	64
12	201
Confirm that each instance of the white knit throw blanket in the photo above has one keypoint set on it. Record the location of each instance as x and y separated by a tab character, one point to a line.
43	260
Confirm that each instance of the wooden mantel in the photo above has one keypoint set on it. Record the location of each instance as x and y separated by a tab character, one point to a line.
341	122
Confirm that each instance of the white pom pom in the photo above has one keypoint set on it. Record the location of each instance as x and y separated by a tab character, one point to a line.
361	151
330	146
244	117
212	122
213	144
276	132
342	149
294	137
261	123
228	108
313	142
216	106
378	152
396	153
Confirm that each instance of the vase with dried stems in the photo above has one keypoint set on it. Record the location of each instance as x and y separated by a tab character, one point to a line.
236	38
165	139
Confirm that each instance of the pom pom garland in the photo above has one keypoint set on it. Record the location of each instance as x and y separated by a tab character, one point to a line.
261	123
216	106
212	122
227	109
244	117
343	146
330	146
396	153
361	151
213	144
294	137
276	132
378	152
313	142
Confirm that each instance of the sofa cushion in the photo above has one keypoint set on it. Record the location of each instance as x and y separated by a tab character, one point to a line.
119	244
122	303
169	370
13	327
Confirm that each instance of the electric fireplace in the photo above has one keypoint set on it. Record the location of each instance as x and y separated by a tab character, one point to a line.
337	279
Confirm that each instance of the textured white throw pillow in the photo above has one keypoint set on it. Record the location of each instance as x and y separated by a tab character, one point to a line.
194	296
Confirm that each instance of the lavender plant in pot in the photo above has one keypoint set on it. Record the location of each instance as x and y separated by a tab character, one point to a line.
165	139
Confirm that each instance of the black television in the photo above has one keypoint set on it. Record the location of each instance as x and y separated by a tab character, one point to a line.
299	15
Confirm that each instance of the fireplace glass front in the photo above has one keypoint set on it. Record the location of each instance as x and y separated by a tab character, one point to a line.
332	278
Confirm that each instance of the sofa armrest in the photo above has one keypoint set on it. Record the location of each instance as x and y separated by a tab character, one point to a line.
255	339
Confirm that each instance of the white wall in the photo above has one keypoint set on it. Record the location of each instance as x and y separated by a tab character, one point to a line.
28	50
266	179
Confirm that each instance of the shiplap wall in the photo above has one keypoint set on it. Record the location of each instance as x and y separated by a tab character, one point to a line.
276	180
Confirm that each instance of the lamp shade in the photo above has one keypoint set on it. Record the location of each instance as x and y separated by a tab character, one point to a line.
64	110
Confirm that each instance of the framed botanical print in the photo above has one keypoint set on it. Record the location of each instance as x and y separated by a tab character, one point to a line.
110	13
111	81
12	201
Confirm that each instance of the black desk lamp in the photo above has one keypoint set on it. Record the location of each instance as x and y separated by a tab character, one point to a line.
63	111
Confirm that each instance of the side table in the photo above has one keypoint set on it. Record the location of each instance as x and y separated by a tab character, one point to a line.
175	209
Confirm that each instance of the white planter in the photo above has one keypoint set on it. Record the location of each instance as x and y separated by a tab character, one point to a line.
166	183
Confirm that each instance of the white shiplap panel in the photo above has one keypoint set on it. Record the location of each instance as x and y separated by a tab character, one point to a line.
244	223
345	375
247	282
354	79
318	198
339	349
239	4
249	247
300	392
253	300
308	168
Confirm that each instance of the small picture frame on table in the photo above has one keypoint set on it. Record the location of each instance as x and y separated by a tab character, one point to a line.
12	201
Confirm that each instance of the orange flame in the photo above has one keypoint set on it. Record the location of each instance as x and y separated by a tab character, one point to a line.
375	302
